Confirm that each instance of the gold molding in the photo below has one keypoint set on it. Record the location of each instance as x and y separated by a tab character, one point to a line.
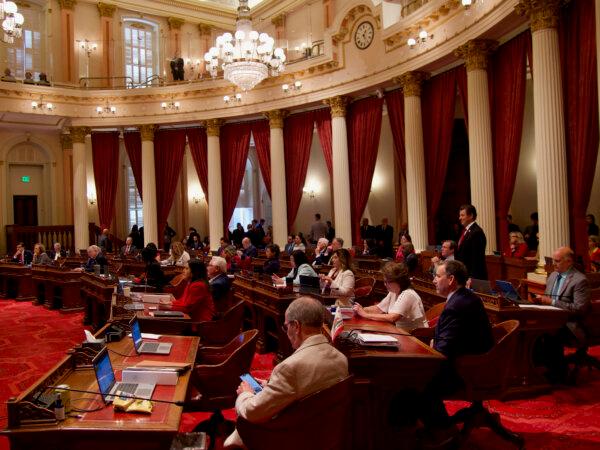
175	23
78	134
542	13
279	20
337	105
67	4
66	141
475	53
351	18
106	10
276	117
412	82
205	29
213	127
147	132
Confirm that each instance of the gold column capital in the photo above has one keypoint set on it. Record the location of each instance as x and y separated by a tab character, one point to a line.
542	13
175	23
106	10
276	117
278	20
475	53
337	105
412	82
78	134
147	132
67	4
205	29
213	127
66	141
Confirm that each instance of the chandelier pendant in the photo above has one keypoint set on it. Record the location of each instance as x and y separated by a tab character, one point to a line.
12	21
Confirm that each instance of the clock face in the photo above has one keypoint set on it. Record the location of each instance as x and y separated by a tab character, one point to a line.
364	35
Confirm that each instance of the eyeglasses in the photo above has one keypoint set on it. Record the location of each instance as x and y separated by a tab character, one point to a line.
286	325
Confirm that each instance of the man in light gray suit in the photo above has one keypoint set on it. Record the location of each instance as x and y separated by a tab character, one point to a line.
314	365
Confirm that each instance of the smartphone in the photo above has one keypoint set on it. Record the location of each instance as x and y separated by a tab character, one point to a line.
255	385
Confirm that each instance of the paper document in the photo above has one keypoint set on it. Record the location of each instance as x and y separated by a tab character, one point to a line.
370	338
89	337
533	306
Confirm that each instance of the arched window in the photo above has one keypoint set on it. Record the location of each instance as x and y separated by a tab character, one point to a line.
25	55
141	49
134	202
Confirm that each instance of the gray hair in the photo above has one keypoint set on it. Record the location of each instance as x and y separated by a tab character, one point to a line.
221	263
340	241
323	241
307	311
95	248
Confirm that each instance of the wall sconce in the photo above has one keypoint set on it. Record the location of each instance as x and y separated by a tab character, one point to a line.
88	47
106	109
466	3
420	39
197	197
92	200
294	87
237	98
41	105
170	105
309	191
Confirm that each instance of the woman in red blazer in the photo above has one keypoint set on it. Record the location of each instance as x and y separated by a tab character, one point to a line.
196	299
518	248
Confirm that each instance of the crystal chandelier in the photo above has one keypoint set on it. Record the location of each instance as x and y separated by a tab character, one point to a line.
246	57
12	21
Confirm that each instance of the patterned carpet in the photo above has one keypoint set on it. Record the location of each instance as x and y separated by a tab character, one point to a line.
33	339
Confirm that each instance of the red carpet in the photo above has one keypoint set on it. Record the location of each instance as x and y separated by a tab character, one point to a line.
33	339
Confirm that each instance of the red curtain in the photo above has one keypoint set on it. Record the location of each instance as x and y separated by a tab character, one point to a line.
297	138
438	100
133	145
323	122
262	141
364	130
169	148
235	143
461	81
578	52
105	155
199	149
395	107
508	65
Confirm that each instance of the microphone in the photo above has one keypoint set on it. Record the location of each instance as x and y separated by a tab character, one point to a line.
122	395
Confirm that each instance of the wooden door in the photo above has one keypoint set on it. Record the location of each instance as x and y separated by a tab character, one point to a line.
25	210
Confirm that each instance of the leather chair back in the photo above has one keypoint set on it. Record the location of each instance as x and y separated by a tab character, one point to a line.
222	330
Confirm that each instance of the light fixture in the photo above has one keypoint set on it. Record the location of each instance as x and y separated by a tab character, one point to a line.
294	87
246	57
170	105
466	3
92	200
309	191
421	38
106	109
41	105
12	21
197	197
237	98
88	47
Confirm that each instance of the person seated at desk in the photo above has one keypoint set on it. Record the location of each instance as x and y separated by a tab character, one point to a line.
322	255
567	289
222	246
196	299
128	249
271	266
177	256
341	278
40	256
336	244
409	257
289	246
233	259
249	250
153	275
518	248
404	239
369	247
315	365
299	244
57	252
219	282
594	252
194	242
22	256
95	258
446	254
401	306
300	267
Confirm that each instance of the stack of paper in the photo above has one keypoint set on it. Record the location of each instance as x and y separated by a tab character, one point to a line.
377	339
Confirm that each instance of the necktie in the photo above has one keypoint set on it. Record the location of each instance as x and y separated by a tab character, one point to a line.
462	236
556	287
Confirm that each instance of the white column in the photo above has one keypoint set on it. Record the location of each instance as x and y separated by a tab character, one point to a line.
550	145
481	157
341	171
278	188
149	211
215	189
416	189
80	206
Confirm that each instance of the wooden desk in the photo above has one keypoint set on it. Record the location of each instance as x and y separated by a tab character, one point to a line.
379	375
15	282
57	287
96	295
31	427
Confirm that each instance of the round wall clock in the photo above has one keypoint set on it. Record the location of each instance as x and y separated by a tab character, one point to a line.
364	35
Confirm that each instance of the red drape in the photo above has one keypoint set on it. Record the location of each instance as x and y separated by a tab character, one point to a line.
133	145
578	55
105	155
395	107
461	81
297	138
169	148
262	141
323	122
199	149
364	130
438	100
509	68
235	143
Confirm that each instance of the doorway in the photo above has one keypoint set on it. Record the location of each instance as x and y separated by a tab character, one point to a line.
25	210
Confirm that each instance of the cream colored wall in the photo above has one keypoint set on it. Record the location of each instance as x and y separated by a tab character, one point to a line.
91	183
198	212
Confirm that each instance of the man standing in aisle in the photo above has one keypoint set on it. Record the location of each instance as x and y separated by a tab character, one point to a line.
471	245
318	230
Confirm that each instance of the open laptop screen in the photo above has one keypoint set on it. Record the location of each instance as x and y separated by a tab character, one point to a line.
136	334
104	373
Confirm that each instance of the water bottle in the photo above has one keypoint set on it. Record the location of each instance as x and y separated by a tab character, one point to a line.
59	408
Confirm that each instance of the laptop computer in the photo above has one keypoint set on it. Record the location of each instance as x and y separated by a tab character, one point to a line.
508	291
482	286
155	348
310	285
109	387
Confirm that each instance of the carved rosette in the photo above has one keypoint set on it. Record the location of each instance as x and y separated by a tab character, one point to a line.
276	117
106	10
67	4
175	23
412	82
337	106
66	141
476	52
542	14
147	132
213	127
78	134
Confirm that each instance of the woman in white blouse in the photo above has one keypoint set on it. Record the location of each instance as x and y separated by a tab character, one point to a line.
298	244
300	267
401	306
341	278
178	256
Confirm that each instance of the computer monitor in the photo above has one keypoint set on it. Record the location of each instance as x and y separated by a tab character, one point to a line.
136	334
105	374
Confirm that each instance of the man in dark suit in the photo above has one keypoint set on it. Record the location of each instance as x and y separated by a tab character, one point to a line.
219	282
289	247
385	237
95	258
249	250
57	252
471	245
128	249
366	231
22	256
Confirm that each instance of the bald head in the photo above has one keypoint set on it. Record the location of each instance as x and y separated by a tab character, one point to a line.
563	259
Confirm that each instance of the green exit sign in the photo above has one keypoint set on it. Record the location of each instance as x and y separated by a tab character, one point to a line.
26	179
